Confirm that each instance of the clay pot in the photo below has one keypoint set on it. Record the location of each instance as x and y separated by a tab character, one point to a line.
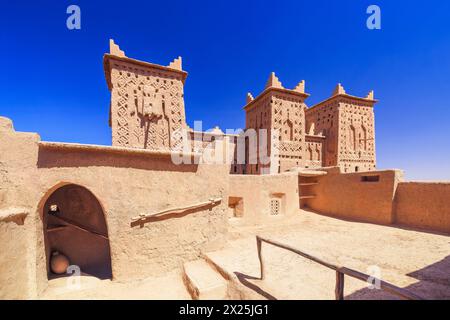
58	263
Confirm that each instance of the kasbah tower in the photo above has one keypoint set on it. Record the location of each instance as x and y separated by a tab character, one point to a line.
147	108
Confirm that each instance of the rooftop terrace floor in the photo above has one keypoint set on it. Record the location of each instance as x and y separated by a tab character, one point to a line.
414	260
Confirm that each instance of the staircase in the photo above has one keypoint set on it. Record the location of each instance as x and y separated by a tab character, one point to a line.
203	282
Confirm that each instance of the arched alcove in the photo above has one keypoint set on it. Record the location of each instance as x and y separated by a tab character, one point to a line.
75	225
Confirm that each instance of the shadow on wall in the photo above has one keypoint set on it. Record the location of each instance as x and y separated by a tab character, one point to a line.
54	158
434	283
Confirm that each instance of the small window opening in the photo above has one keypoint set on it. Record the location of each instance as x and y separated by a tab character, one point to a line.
370	178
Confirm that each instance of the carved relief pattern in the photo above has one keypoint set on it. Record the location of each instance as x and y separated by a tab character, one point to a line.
348	126
289	120
120	106
357	138
283	115
325	119
146	108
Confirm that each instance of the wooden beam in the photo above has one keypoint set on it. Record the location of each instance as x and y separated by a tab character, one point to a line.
400	292
143	217
76	226
56	228
300	253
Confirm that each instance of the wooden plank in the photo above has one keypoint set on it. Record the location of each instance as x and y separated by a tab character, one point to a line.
76	226
56	228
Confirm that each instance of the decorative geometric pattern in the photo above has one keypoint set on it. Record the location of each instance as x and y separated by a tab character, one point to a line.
357	139
147	106
283	116
274	207
348	125
289	120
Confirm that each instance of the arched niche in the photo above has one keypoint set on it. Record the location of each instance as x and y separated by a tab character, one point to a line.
75	225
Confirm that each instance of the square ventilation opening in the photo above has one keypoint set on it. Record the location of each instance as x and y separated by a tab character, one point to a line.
275	207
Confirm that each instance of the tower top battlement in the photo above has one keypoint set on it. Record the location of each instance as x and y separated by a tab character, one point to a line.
147	100
274	84
116	54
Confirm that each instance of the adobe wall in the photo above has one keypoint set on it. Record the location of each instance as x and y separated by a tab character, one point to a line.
257	191
423	205
348	196
18	157
126	184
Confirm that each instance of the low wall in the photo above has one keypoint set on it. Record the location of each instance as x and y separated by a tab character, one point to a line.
353	196
14	255
256	192
18	157
130	184
423	205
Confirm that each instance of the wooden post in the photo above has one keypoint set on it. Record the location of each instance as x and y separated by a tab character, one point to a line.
339	290
258	245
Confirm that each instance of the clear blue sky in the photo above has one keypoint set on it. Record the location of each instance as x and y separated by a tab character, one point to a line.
52	78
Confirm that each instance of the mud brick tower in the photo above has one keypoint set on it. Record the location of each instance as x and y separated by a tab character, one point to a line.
147	100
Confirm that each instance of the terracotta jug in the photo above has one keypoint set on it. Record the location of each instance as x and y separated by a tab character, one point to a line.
58	263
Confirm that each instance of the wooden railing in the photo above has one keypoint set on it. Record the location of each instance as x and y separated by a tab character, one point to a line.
340	272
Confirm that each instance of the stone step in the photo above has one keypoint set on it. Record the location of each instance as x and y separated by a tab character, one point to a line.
203	282
64	286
